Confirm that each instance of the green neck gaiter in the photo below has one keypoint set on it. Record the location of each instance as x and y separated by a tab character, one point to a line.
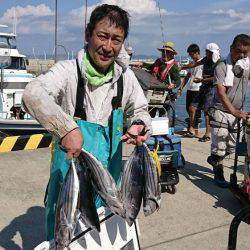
94	77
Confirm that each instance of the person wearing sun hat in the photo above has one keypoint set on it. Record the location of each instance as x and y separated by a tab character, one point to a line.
166	69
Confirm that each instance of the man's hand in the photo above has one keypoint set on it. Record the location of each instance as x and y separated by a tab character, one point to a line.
197	80
72	143
132	136
240	114
170	86
179	92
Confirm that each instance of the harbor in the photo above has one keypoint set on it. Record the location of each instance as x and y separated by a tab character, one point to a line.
197	216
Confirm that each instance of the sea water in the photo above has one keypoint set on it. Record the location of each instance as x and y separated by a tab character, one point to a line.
181	113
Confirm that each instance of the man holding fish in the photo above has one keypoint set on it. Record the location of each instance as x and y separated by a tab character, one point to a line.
85	102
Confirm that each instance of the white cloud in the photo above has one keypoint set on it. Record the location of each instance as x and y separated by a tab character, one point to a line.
77	16
29	18
138	10
137	7
231	19
30	10
218	12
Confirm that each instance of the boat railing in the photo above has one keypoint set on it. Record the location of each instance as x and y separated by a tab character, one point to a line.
10	116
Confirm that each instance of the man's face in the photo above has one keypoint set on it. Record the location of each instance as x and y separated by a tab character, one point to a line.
209	55
167	55
239	51
105	44
195	56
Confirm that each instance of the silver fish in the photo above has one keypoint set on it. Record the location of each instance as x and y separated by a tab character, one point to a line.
152	189
132	185
87	207
104	183
66	209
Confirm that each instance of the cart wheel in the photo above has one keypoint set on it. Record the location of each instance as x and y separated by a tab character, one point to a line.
164	189
233	180
173	189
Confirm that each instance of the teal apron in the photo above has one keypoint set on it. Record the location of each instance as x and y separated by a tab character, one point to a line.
101	141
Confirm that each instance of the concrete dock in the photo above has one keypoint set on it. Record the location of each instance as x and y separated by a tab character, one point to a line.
196	217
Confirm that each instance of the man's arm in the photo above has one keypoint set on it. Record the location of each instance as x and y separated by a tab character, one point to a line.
219	78
207	79
136	109
42	100
192	64
184	83
222	93
175	78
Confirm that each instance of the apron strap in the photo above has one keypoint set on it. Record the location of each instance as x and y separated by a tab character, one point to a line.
117	100
80	110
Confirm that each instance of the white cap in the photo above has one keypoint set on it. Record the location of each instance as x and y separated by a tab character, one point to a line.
129	50
214	48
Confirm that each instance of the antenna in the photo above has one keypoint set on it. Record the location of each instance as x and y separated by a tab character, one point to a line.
162	32
14	21
45	55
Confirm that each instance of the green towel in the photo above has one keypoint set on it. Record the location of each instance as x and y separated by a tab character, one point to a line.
94	77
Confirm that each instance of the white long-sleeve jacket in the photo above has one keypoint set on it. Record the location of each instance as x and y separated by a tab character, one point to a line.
51	98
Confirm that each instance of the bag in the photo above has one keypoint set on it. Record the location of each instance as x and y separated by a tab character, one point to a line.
167	143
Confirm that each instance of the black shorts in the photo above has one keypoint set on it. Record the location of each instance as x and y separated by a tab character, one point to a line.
190	97
205	98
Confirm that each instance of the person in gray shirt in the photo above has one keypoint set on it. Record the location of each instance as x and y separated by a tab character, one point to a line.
231	80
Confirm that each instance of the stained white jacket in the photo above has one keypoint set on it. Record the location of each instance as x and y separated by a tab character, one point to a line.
51	98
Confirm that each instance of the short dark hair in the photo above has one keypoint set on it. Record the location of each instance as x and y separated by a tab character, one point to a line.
241	39
193	48
114	13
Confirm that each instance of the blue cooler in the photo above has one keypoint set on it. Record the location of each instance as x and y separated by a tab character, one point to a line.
167	145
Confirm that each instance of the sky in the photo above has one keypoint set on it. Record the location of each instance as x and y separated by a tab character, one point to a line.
183	22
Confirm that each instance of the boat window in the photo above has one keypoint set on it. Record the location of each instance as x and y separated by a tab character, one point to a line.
17	63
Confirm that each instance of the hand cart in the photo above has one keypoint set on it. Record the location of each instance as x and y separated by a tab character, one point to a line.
240	190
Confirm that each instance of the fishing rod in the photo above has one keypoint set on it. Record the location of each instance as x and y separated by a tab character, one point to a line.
162	30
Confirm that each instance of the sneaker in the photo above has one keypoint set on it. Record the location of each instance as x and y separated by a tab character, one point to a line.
219	179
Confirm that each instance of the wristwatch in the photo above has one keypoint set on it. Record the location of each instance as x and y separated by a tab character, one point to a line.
138	122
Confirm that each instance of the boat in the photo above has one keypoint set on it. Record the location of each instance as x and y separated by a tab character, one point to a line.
182	62
14	78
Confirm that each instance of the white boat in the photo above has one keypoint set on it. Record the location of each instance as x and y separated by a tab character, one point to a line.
14	78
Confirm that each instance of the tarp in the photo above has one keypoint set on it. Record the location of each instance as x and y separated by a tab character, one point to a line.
147	81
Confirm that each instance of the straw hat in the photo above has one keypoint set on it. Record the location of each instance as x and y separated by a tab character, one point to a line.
169	46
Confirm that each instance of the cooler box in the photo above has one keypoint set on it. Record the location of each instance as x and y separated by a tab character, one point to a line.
167	143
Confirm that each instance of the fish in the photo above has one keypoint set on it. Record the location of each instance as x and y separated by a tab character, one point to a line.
66	209
152	189
132	185
88	213
104	184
